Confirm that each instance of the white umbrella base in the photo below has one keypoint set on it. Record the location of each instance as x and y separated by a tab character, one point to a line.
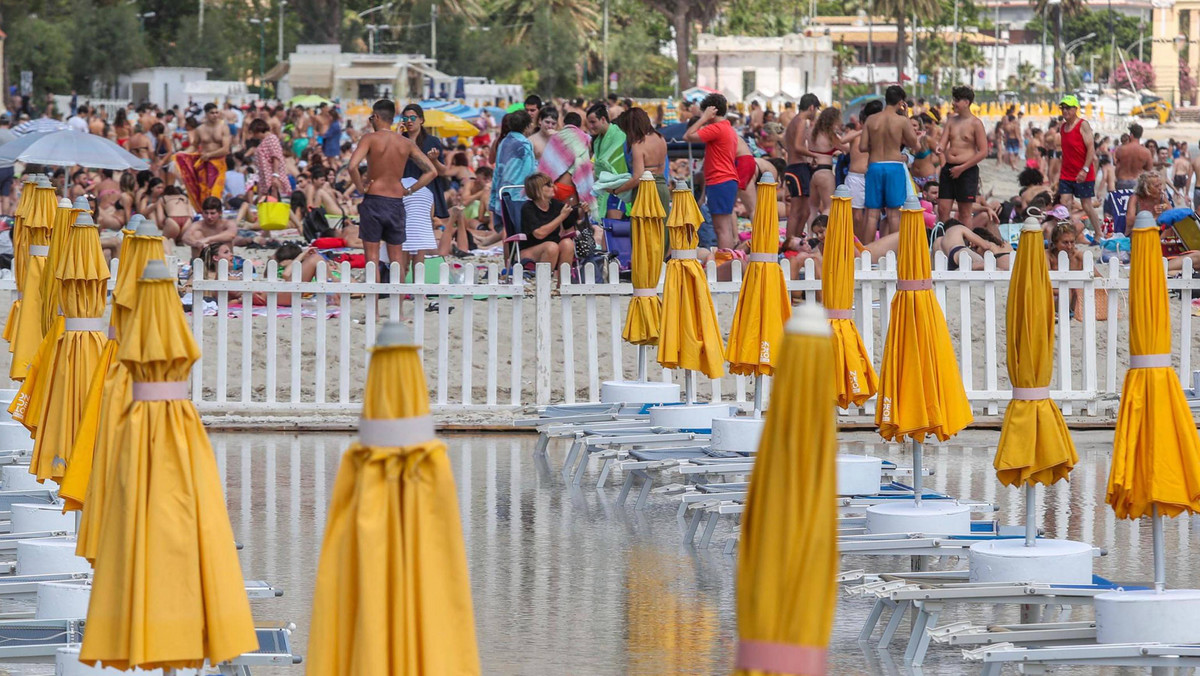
737	434
17	478
14	437
66	663
63	600
858	474
49	555
1148	616
39	518
931	516
689	416
1048	561
635	392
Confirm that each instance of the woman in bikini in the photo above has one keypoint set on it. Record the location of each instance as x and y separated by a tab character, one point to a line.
121	128
825	142
1053	153
172	213
959	238
925	162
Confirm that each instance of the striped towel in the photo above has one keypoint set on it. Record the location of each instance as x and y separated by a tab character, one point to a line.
568	151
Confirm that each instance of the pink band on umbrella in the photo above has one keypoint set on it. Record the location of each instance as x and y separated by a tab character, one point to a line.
83	324
914	284
780	658
683	254
644	293
39	250
762	258
395	431
172	390
1030	393
1149	361
839	314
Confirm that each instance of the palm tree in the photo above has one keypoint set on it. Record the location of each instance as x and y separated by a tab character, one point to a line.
584	14
933	58
843	55
1061	8
900	10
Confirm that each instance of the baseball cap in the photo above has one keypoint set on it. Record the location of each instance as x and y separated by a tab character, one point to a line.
1069	100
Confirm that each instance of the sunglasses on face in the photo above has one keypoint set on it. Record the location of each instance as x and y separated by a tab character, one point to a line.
409	118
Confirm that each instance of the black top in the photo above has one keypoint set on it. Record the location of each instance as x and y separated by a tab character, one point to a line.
533	218
437	186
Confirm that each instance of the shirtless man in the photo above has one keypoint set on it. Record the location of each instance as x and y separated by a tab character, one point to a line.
203	172
1131	158
96	122
139	144
547	127
1012	139
798	175
787	114
1050	142
856	180
964	145
212	228
888	183
1181	174
381	213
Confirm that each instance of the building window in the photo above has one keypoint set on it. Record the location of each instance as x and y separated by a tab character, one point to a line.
749	81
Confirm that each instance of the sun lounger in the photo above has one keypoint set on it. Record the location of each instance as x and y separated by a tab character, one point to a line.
41	496
43	638
16	586
1039	660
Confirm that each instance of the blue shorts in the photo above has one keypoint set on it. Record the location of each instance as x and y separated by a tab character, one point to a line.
888	185
1080	189
721	197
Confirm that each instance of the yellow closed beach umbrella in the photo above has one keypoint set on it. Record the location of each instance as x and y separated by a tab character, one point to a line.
646	216
920	391
38	226
20	244
763	304
167	591
108	394
392	594
33	388
787	557
689	336
1156	453
856	379
83	275
1035	446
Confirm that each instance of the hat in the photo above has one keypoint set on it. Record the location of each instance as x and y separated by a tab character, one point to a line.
1059	212
1070	101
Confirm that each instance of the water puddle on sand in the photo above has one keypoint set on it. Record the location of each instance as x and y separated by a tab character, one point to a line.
566	582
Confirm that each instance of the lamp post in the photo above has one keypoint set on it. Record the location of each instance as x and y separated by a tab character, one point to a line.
370	32
279	53
954	45
262	50
142	18
372	28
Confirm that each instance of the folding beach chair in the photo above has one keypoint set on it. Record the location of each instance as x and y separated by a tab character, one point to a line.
618	236
511	201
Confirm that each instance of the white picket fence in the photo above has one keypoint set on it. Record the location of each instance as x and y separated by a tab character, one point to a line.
490	344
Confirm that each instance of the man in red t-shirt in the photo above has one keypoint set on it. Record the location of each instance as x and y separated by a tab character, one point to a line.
1077	178
720	176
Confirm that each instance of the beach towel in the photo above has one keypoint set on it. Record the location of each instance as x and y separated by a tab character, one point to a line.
201	178
515	161
609	158
568	151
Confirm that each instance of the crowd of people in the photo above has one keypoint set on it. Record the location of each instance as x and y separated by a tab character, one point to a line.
557	171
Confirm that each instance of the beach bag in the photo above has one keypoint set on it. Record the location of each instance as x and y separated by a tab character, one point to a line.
315	224
273	215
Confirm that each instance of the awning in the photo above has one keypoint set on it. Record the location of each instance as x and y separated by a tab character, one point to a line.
311	75
364	72
429	71
276	73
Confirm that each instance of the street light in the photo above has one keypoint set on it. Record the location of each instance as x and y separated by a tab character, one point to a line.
371	29
1067	56
262	50
143	16
279	54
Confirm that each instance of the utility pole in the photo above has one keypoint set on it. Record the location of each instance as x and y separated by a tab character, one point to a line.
604	87
1112	54
279	54
954	45
996	53
871	45
433	13
200	19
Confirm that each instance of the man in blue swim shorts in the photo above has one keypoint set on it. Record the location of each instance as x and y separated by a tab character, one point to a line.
720	174
381	214
888	183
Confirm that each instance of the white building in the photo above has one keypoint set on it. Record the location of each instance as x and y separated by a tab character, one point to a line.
1017	13
786	66
327	71
165	86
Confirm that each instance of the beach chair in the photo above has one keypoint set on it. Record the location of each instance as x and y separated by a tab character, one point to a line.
618	237
1160	657
510	218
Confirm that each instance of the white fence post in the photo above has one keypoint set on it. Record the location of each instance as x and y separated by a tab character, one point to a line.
542	287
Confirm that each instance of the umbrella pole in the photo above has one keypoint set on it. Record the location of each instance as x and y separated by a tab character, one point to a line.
641	363
1030	515
758	395
918	480
1160	571
689	387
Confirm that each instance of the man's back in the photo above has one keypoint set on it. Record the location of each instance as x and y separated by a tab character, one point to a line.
1131	159
387	155
885	134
